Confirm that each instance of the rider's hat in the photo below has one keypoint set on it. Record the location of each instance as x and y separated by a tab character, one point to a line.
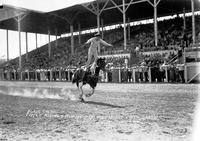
97	35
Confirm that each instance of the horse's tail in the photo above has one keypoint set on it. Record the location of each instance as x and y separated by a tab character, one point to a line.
78	76
74	77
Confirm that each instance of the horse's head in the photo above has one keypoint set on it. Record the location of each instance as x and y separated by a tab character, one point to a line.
101	63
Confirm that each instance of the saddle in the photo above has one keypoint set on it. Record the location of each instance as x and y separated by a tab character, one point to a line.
89	69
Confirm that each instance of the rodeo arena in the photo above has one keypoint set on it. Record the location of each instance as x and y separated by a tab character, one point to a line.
142	82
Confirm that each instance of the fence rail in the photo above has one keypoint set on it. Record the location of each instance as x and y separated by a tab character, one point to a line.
121	75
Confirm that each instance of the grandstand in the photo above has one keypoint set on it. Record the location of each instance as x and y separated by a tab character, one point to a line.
158	43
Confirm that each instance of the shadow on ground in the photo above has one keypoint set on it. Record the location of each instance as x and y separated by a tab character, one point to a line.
103	104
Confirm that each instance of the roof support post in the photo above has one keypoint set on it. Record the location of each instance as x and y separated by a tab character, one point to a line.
184	22
19	33
123	11
20	56
193	23
98	23
36	41
124	22
26	46
49	43
102	30
129	30
118	7
103	8
98	17
19	19
79	35
127	4
155	23
7	41
93	10
56	32
72	38
155	4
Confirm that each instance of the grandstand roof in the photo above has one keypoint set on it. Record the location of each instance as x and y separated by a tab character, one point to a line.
38	22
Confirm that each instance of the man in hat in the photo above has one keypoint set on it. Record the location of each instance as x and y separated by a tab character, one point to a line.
93	50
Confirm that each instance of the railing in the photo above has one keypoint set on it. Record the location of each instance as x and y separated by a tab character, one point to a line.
117	75
192	63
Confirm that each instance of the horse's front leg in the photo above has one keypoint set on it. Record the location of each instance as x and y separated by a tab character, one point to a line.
90	94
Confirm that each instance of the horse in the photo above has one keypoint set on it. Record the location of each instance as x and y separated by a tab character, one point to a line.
87	77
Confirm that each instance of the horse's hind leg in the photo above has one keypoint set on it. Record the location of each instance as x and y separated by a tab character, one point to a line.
81	94
77	84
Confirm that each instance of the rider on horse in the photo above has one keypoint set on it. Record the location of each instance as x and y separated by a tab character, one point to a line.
93	50
86	77
90	76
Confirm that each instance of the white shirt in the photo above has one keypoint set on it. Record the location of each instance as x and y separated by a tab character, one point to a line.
95	44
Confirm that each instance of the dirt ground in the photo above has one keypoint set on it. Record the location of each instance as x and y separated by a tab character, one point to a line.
116	112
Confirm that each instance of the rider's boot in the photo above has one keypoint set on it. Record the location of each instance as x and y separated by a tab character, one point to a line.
84	68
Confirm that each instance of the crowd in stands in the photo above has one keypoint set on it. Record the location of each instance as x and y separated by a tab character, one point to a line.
116	62
171	35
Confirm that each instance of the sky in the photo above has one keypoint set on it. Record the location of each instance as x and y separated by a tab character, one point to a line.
44	5
37	5
14	43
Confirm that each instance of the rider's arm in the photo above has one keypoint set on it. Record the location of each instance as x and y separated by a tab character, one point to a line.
89	41
105	43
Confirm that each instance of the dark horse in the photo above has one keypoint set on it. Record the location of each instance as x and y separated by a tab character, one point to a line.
86	77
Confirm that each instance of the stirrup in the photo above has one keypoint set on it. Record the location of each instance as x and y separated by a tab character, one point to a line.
84	68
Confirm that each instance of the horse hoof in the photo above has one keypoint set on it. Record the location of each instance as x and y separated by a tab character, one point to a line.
81	99
88	95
